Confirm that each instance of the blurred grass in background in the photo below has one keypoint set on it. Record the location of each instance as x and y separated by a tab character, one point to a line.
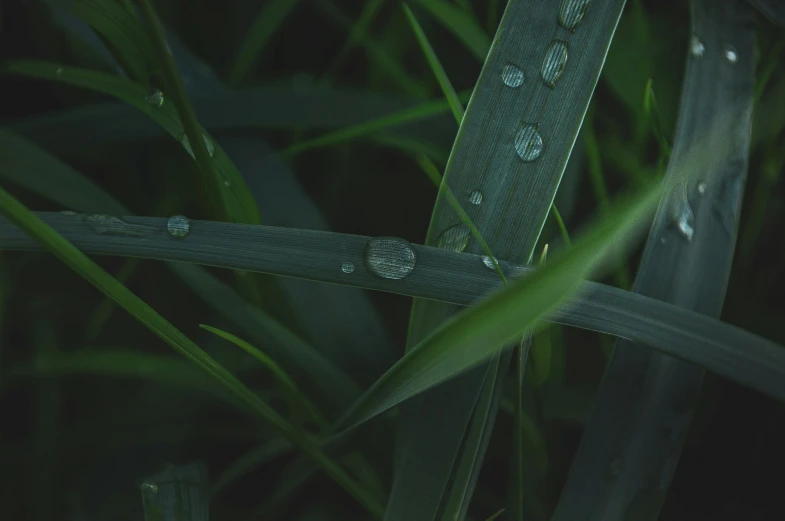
76	440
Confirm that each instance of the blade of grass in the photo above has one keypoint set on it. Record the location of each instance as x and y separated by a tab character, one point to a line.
235	195
91	272
433	61
442	276
267	22
296	398
687	261
253	459
177	493
461	24
774	10
357	34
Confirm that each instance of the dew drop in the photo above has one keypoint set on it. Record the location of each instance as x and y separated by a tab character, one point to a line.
730	54
512	76
685	221
488	262
227	182
454	238
696	47
104	224
59	71
155	98
389	257
702	188
528	142
475	197
149	488
178	226
554	63
208	143
347	267
572	12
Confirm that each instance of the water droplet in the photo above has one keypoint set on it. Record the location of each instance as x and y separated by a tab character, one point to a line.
454	238
702	188
663	240
155	98
67	212
109	225
389	257
475	197
554	63
696	47
528	142
149	488
227	182
512	76
178	226
488	262
572	12
59	71
208	143
685	221
347	267
730	54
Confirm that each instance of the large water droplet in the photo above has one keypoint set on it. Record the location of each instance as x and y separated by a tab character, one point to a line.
475	197
155	98
512	76
572	12
696	47
208	143
454	238
389	257
347	267
109	225
554	63
730	54
178	226
528	142
488	262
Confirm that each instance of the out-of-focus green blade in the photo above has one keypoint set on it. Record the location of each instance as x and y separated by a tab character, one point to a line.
512	148
177	493
773	9
631	444
461	24
267	22
233	189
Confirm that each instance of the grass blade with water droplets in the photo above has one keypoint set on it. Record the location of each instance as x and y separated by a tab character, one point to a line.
646	401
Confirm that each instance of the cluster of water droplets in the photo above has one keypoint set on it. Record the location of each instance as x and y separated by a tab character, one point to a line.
698	49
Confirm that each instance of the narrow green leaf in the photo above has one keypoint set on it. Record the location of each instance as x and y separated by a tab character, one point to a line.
249	461
296	398
235	194
496	515
358	33
475	334
267	22
91	272
436	66
461	24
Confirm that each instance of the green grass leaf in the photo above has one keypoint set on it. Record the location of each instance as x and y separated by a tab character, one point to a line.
461	24
91	272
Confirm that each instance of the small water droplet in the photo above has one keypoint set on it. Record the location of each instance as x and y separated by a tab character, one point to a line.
702	188
208	143
227	182
528	142
67	212
149	488
730	54
104	224
454	238
155	98
389	257
347	267
475	197
512	76
685	221
696	47
178	226
488	262
663	240
59	71
572	12
554	63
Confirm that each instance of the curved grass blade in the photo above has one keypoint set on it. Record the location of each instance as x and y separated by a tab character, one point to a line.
478	332
235	195
441	276
461	24
267	22
358	33
687	262
296	398
773	9
253	459
80	263
433	61
120	29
